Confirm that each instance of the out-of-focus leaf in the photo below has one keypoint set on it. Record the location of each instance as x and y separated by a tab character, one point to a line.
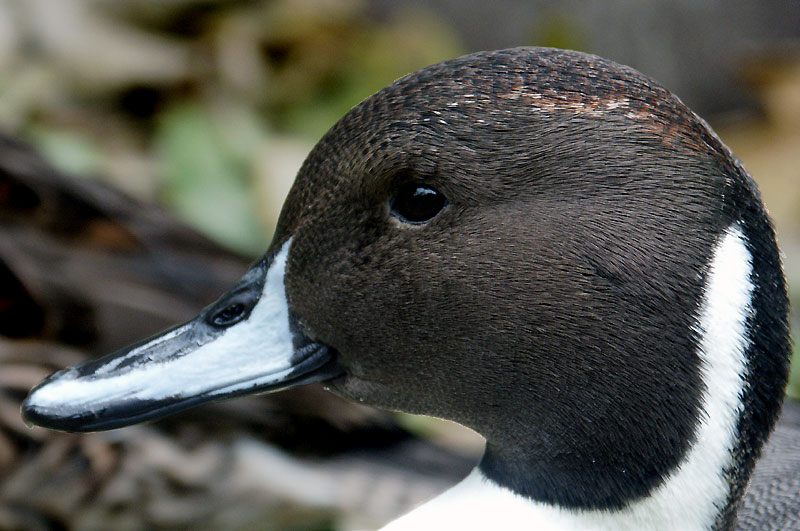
69	151
371	58
557	29
205	182
414	39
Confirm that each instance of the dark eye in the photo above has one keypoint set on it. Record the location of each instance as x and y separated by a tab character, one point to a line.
228	315
415	203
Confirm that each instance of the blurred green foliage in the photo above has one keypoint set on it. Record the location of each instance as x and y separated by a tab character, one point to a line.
175	101
202	166
75	153
557	29
323	65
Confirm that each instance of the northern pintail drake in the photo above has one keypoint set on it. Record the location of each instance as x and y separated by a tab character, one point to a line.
542	245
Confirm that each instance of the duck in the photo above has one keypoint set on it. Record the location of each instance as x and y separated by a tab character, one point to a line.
542	245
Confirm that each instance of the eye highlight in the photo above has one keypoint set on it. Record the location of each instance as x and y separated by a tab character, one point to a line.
416	203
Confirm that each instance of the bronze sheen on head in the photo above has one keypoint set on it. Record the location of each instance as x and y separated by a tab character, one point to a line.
542	245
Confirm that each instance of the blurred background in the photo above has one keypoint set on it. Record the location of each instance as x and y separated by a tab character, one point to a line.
147	146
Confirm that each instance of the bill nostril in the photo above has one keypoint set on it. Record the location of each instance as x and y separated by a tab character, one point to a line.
229	315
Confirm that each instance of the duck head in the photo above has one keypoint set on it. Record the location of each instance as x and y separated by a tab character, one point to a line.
521	241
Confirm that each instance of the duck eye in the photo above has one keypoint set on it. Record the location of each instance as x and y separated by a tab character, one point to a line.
415	203
228	315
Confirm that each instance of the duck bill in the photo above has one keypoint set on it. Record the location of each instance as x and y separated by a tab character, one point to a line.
246	342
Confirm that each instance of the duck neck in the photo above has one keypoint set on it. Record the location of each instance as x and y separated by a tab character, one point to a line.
709	477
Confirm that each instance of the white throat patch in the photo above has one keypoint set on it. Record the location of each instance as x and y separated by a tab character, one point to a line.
693	495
